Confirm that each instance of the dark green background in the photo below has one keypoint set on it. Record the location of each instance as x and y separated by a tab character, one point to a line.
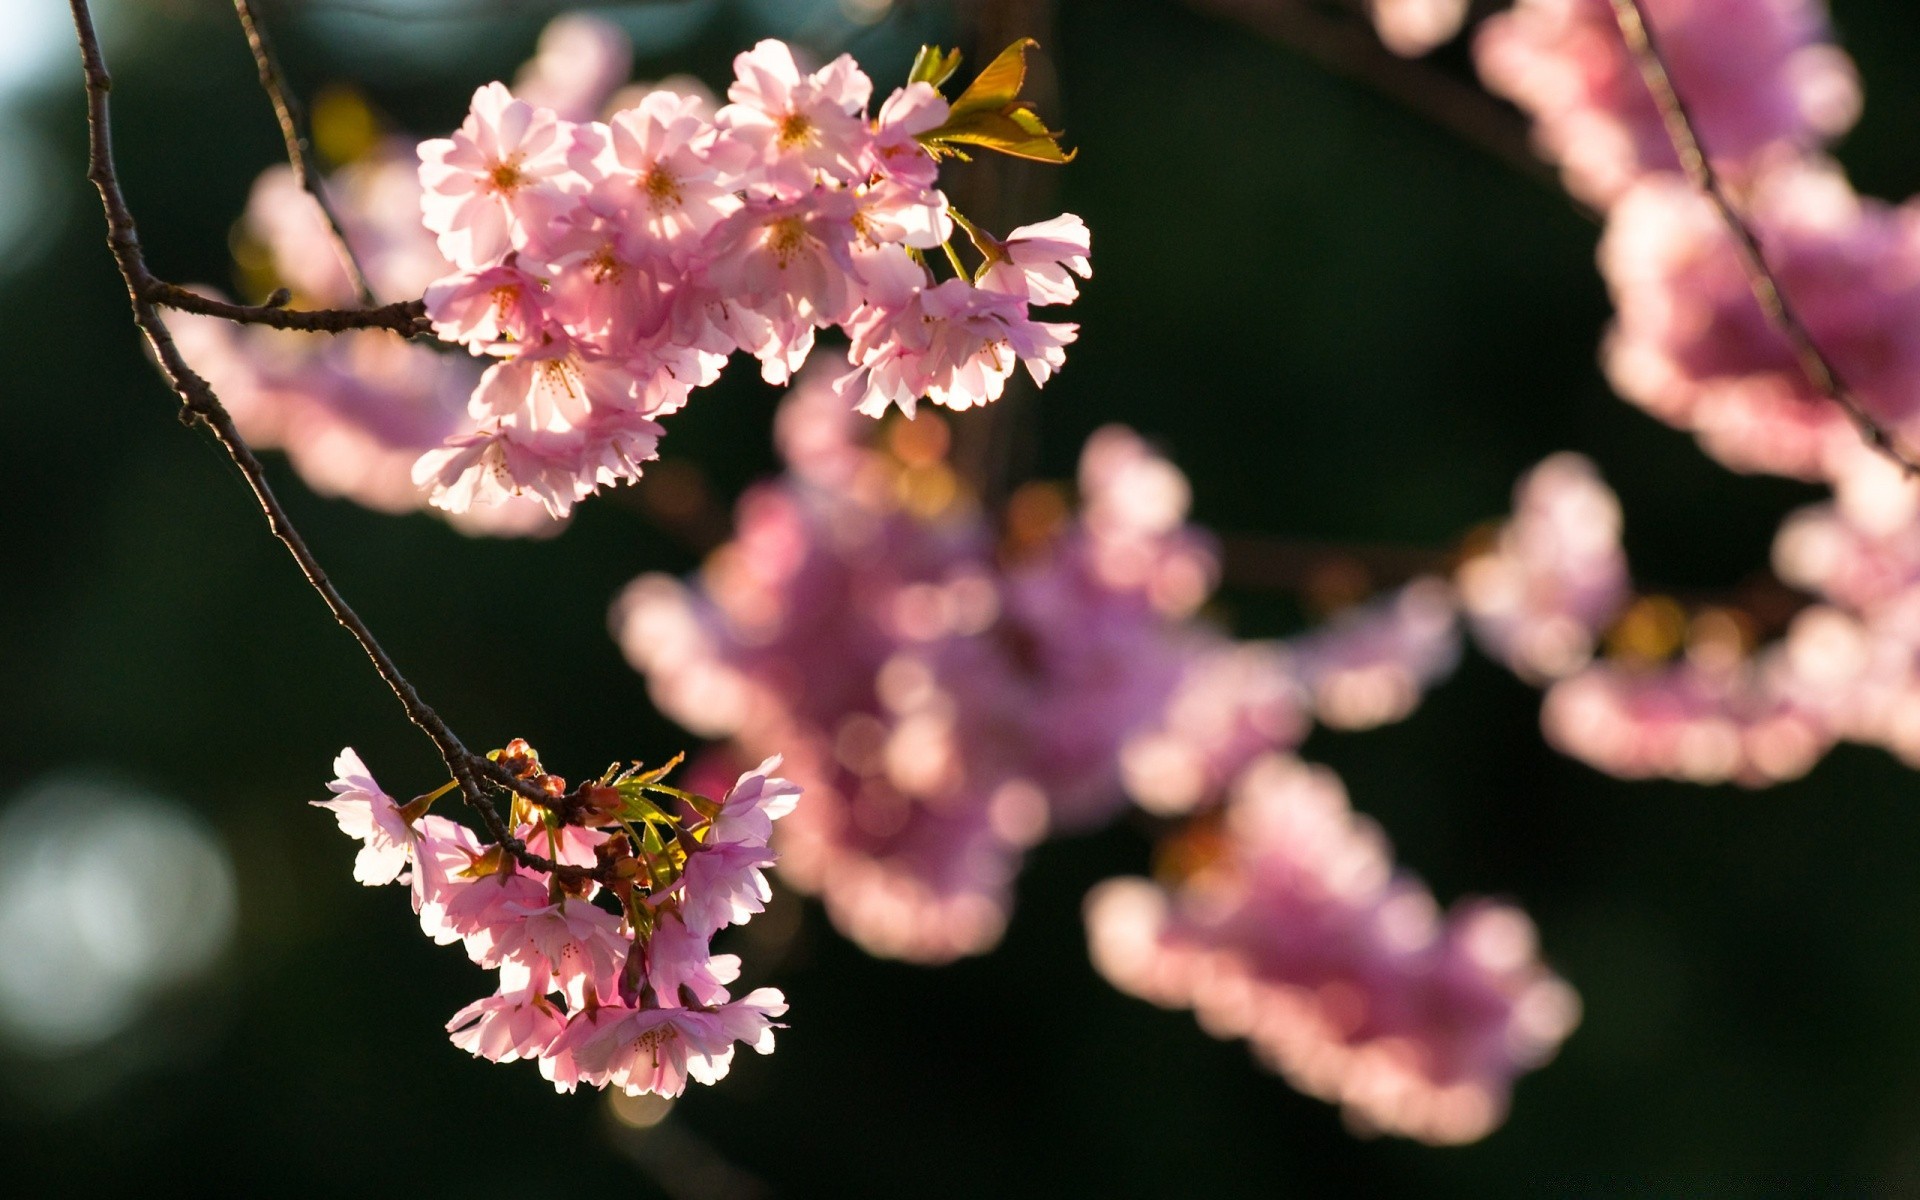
1341	323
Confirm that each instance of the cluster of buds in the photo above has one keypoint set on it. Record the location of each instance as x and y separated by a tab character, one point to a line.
609	269
598	911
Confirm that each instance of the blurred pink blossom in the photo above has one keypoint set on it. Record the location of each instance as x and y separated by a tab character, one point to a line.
1292	928
1756	75
1691	345
1555	577
1411	28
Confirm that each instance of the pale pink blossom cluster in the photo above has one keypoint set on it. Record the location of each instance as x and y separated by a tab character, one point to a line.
944	712
354	412
1289	925
947	704
1552	583
1373	664
1692	346
599	271
634	1000
1739	720
1758	76
1555	577
608	269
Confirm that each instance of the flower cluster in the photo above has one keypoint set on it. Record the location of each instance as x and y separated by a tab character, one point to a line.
1758	77
633	998
1554	577
951	696
943	710
1286	924
355	412
600	271
608	269
1691	695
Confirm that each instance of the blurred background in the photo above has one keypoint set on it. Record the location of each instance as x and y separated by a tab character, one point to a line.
1343	322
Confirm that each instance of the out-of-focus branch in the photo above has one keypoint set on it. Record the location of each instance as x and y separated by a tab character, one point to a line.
293	131
1348	47
1268	562
1814	364
201	405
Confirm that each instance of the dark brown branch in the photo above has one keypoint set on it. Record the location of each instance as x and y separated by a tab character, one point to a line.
1349	48
1814	364
1267	562
293	131
201	405
406	317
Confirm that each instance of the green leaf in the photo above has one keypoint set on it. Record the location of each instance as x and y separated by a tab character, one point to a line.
640	809
655	775
700	804
999	85
990	114
1017	133
933	65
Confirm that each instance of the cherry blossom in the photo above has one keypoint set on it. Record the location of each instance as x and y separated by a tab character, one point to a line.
1292	928
633	998
1555	576
1758	77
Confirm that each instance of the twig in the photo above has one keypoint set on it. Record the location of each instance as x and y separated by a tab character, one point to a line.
406	317
1269	562
293	131
1350	49
202	405
1814	364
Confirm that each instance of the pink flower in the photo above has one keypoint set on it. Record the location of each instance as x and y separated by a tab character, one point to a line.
1556	576
725	884
952	343
557	467
1411	28
1691	345
486	913
681	968
369	814
494	178
1740	721
1294	930
790	258
1757	76
749	1020
662	166
576	945
506	1028
798	128
492	311
896	151
1372	665
1035	260
580	61
639	1050
754	803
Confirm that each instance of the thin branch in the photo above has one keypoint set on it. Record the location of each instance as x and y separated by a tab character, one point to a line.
1350	49
1814	363
293	131
202	405
406	317
1268	562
